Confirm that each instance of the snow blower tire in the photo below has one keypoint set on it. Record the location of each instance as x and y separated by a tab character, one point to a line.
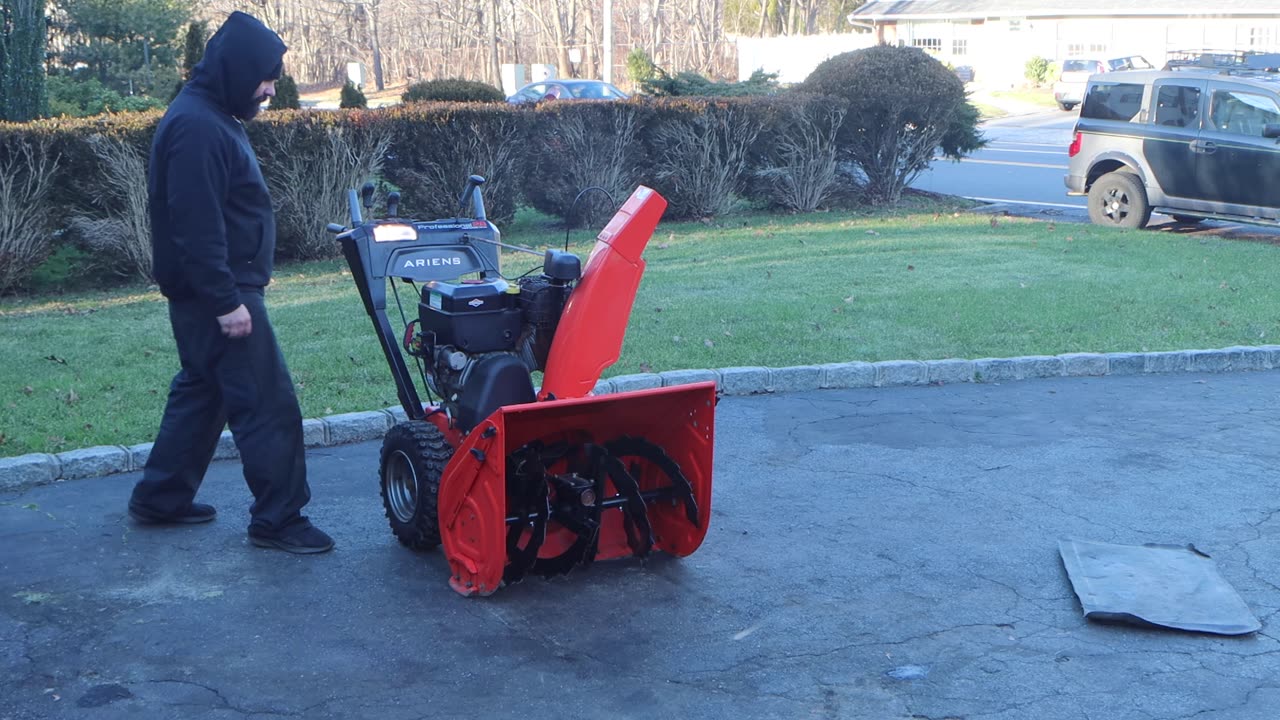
414	455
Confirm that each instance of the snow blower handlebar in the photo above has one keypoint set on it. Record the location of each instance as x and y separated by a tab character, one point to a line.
421	252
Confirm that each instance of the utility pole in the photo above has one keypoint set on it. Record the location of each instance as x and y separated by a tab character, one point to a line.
607	76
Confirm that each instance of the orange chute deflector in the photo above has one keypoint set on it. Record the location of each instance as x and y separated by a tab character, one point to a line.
594	322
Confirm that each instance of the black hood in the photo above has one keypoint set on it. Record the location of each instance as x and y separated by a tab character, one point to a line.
243	54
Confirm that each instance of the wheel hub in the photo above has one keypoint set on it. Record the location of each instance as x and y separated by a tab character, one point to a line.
402	486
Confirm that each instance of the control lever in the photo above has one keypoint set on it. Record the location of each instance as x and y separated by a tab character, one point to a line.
366	194
393	204
473	182
353	205
335	228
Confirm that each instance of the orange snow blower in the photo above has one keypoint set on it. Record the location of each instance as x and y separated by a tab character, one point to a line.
514	481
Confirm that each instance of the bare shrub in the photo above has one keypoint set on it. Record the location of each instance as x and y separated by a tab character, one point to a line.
309	166
28	170
800	168
119	232
700	157
576	146
438	146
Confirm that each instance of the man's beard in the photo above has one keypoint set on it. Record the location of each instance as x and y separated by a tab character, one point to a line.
250	111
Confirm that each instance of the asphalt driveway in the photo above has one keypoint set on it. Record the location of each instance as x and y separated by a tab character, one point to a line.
874	553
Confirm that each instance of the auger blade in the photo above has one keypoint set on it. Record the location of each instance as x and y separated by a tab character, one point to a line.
507	499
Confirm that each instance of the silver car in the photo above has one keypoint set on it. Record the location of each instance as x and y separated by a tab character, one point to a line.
567	90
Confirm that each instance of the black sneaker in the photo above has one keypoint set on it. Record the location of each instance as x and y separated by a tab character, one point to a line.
301	538
192	515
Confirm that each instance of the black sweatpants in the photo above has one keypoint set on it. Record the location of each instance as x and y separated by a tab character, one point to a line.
243	383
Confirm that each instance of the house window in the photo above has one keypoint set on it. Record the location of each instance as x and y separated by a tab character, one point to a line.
929	44
959	46
1260	37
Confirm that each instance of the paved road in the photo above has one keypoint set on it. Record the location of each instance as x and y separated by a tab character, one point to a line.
1023	163
880	553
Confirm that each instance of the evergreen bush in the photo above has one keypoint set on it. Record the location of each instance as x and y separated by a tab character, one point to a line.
1037	70
452	90
352	98
286	97
904	108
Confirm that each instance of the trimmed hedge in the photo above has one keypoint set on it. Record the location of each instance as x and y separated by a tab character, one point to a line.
452	90
705	155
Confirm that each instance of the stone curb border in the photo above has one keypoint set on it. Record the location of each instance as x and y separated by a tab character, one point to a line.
41	468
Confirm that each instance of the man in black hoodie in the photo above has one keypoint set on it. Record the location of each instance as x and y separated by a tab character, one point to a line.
213	239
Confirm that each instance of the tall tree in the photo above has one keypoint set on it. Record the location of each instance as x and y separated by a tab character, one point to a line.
193	42
127	44
23	34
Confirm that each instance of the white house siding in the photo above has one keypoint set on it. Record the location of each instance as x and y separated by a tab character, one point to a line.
997	48
794	57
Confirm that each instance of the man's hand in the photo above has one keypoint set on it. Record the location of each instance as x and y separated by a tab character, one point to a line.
237	323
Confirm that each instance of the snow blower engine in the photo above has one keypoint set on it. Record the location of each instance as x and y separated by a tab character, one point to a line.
510	479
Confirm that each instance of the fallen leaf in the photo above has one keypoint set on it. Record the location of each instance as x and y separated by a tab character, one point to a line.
646	367
663	246
708	343
1051	227
72	398
147	353
850	299
28	390
1070	239
88	426
657	309
872	232
55	358
911	267
729	334
675	338
3	439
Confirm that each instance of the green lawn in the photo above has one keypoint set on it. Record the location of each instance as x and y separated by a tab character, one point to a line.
1036	96
927	281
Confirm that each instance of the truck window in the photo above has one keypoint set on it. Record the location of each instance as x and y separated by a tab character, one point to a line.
1178	106
1112	101
1242	113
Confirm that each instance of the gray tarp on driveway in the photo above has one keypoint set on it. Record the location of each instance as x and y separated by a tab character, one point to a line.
1172	586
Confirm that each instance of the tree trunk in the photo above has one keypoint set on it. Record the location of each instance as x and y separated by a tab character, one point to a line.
371	22
495	66
23	70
